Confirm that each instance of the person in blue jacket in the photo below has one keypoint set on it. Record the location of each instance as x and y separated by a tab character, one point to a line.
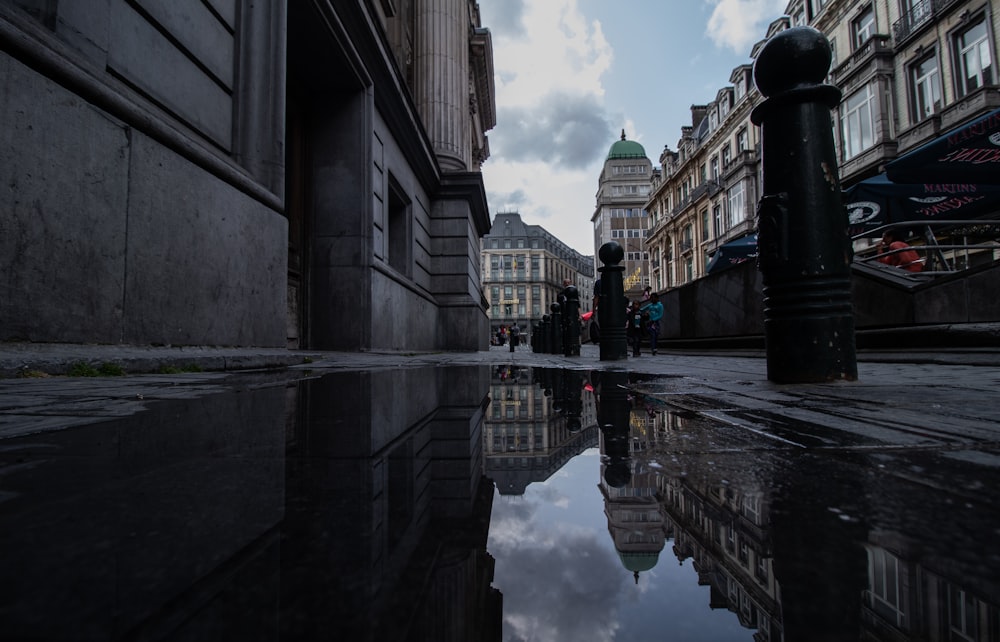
655	310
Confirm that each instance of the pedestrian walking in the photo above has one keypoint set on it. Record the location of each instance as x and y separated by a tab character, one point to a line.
635	327
515	336
655	310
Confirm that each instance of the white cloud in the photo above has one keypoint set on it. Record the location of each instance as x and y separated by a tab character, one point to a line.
559	51
549	145
738	24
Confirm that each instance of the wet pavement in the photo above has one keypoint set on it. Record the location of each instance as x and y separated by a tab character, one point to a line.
498	496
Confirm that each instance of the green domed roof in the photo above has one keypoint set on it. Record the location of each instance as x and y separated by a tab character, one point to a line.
639	561
626	149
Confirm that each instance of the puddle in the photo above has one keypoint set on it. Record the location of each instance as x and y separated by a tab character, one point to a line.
477	503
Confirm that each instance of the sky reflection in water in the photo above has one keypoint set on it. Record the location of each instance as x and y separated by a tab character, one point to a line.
562	579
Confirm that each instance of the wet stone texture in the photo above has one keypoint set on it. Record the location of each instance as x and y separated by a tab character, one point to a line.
499	502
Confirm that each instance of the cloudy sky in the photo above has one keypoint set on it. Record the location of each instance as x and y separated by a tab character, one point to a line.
571	74
563	581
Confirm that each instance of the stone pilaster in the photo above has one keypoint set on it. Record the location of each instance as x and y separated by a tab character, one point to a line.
441	85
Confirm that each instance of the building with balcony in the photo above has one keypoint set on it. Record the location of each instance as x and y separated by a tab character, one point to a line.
909	70
620	214
523	268
706	191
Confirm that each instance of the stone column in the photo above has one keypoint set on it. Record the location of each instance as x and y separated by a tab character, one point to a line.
441	60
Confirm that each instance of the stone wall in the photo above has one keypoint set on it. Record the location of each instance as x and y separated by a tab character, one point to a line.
131	212
729	304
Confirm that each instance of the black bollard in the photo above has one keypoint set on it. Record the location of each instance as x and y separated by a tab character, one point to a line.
804	249
534	337
571	322
544	334
556	330
613	412
611	303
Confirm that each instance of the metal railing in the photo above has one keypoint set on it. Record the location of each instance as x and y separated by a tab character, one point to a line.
938	258
921	14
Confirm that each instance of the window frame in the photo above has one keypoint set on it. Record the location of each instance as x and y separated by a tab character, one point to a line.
847	114
863	27
919	86
959	60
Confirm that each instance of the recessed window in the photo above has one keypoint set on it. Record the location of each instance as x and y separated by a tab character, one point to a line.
863	27
975	61
925	87
737	210
857	122
399	229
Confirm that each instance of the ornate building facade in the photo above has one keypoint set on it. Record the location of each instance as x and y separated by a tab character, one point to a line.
524	267
620	214
705	193
245	173
909	71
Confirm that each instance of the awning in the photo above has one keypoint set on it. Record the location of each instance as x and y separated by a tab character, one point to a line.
969	154
878	201
733	253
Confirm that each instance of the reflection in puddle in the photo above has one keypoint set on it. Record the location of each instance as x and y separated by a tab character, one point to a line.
773	543
469	503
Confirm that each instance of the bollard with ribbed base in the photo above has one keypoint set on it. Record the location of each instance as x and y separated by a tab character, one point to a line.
571	321
804	248
611	303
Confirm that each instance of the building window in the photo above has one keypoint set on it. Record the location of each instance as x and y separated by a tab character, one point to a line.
815	6
720	224
742	140
925	88
975	62
727	156
736	209
856	122
704	225
399	228
863	27
714	164
740	87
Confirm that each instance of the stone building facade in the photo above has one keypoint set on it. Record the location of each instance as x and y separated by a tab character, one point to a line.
620	214
245	173
909	71
523	271
706	191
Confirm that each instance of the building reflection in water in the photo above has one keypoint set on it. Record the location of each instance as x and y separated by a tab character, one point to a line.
538	419
350	506
354	505
822	547
797	545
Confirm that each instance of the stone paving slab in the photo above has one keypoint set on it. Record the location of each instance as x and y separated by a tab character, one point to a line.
943	398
